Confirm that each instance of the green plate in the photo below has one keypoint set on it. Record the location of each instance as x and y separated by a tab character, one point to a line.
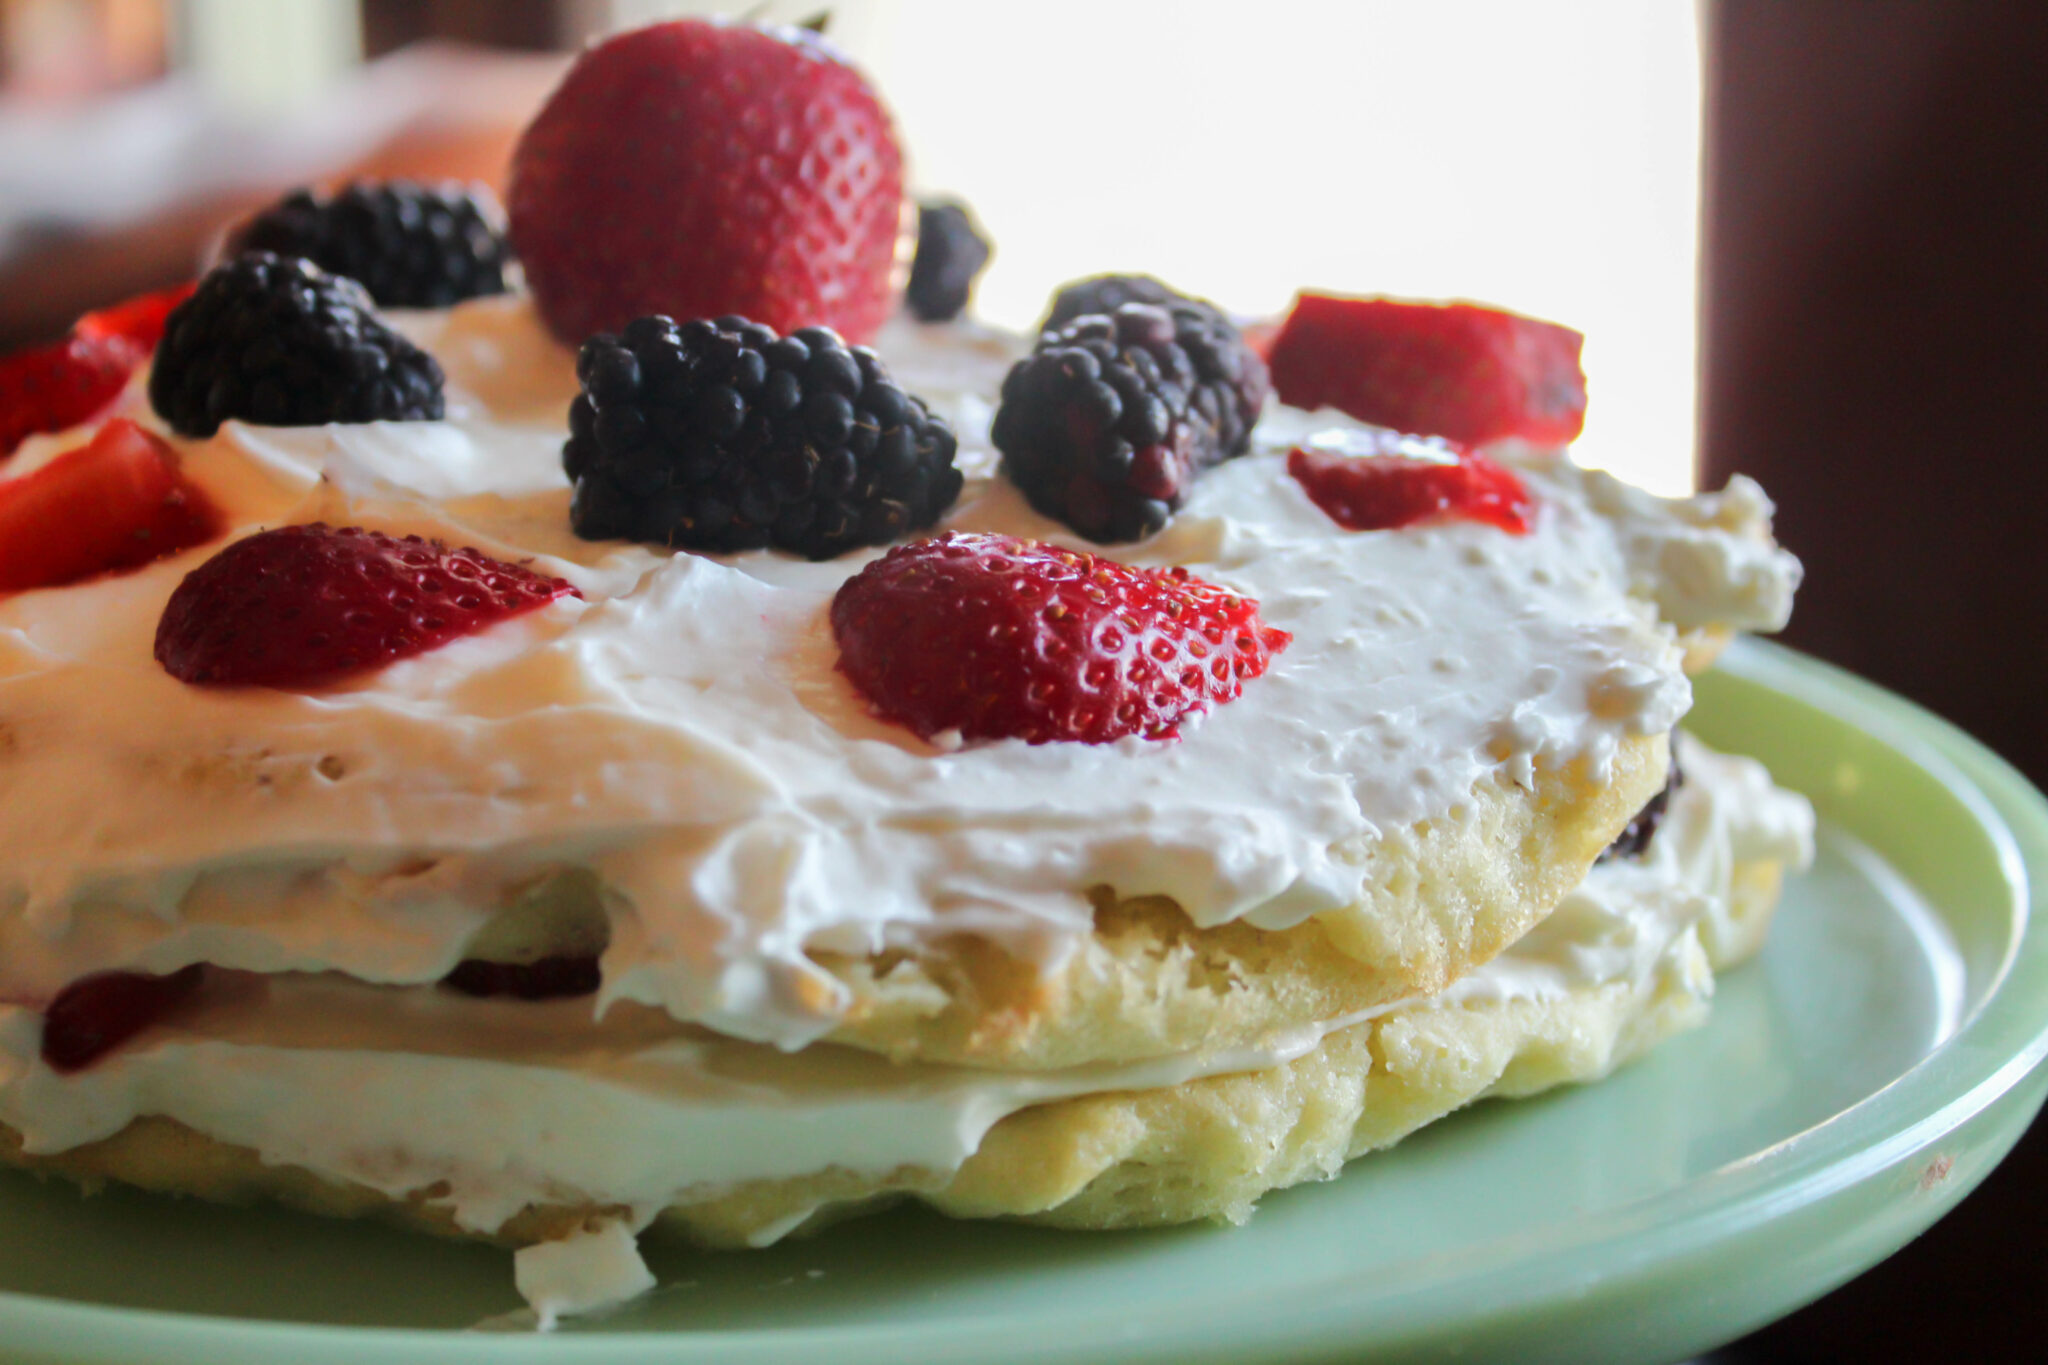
1851	1086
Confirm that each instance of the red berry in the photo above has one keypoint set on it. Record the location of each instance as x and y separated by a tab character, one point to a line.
51	388
1437	369
698	169
301	606
139	320
999	638
96	1014
1380	480
54	387
115	503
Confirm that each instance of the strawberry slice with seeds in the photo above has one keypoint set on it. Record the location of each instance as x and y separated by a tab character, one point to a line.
54	387
302	606
998	638
115	503
66	383
1457	370
1383	480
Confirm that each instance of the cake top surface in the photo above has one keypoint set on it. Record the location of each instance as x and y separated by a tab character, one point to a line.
681	727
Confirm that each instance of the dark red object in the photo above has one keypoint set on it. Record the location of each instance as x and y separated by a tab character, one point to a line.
1456	370
696	169
547	978
1379	481
302	606
999	638
139	320
115	503
50	388
96	1014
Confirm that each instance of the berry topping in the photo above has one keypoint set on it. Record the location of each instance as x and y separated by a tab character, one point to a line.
49	388
724	436
1380	480
117	502
410	245
546	978
1107	293
951	251
277	341
53	387
301	606
990	637
96	1014
1105	425
696	169
1437	369
138	321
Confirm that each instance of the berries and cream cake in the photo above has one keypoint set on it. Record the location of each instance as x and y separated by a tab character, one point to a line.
680	742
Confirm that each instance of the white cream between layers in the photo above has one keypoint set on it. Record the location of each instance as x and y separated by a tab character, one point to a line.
506	1103
683	731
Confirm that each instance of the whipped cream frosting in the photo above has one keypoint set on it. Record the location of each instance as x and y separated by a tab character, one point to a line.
682	730
507	1103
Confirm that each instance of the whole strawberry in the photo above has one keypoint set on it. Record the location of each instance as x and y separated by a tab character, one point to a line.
697	169
302	606
992	637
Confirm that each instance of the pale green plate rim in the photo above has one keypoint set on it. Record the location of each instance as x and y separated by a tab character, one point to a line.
1657	1279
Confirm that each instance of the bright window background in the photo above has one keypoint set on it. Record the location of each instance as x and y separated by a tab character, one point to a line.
1542	155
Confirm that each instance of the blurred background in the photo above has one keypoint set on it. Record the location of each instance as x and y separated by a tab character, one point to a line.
1806	241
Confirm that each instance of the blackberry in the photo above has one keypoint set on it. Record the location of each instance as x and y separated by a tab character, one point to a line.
1107	293
277	341
950	252
410	245
1634	839
721	435
1106	424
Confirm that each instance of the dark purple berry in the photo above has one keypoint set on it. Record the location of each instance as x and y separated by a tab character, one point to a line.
410	245
720	435
1106	424
951	251
277	341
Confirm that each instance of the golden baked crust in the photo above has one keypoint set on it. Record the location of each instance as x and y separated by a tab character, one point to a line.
1442	898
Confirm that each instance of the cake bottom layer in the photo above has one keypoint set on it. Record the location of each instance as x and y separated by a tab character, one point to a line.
539	1127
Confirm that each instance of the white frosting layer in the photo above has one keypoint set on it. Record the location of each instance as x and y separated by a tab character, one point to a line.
683	731
509	1103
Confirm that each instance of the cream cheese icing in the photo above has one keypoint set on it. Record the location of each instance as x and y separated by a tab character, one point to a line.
682	731
505	1103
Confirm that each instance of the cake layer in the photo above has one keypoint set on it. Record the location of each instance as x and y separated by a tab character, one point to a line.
523	1121
1463	718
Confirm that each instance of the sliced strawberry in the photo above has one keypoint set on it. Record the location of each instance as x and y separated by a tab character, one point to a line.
699	169
1472	374
116	503
998	638
1381	480
302	606
54	387
139	320
96	1014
